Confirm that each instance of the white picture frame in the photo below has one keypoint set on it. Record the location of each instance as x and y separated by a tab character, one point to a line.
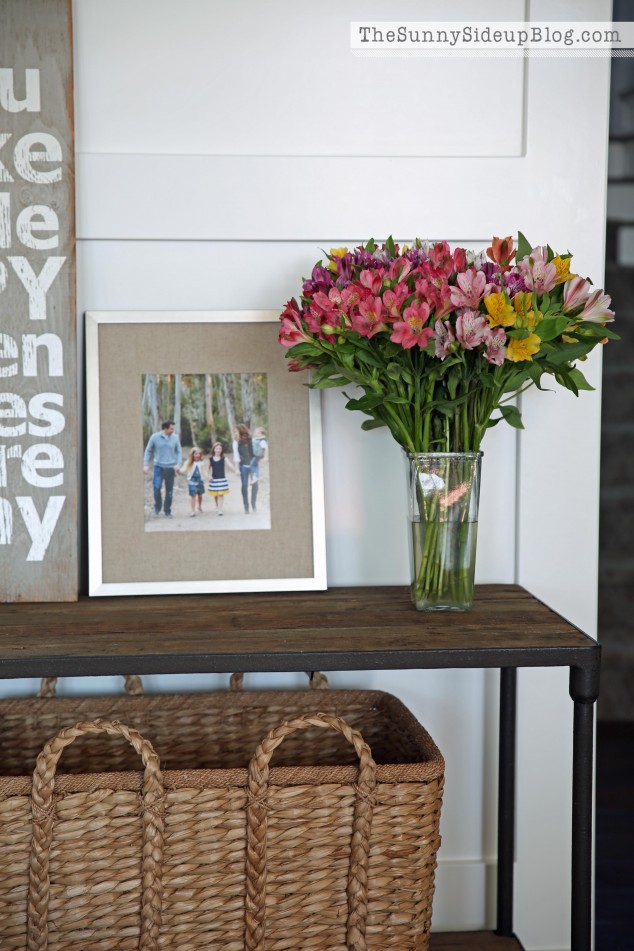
130	556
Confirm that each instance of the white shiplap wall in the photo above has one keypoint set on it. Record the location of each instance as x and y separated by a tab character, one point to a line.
219	147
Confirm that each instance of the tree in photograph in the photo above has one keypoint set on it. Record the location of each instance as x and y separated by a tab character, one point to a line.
149	403
248	399
209	412
177	401
229	393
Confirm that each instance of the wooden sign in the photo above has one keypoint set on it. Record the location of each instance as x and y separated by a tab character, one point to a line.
38	378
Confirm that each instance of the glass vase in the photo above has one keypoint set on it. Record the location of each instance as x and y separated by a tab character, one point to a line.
444	493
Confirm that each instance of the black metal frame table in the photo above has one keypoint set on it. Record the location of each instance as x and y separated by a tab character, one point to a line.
340	629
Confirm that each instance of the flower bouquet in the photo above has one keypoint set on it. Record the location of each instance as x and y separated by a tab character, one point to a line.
440	342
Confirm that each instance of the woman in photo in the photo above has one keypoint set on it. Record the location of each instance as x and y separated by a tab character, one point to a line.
218	485
193	470
245	455
260	446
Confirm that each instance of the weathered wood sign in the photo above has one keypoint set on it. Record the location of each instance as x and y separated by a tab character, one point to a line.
38	383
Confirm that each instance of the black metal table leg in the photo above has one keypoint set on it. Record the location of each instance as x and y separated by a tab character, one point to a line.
584	690
506	801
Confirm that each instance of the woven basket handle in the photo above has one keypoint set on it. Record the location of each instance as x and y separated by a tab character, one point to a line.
257	796
43	807
133	686
316	680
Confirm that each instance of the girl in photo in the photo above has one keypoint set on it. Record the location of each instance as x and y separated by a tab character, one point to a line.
193	469
218	485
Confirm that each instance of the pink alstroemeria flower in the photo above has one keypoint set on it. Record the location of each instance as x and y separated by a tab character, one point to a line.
597	308
471	328
369	318
445	337
576	292
596	304
399	270
327	304
436	293
495	341
472	287
291	331
350	296
372	280
538	274
411	331
459	260
441	257
393	300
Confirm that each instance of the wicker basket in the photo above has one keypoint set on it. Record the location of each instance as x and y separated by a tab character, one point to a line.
329	854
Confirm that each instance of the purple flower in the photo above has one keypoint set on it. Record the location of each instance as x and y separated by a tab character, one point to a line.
344	270
365	259
491	271
321	280
416	256
514	283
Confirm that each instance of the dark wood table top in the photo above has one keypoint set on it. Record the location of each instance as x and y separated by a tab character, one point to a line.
339	629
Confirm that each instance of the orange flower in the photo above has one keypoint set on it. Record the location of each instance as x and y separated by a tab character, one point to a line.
502	252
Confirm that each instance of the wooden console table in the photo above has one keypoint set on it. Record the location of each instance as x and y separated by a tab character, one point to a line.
341	629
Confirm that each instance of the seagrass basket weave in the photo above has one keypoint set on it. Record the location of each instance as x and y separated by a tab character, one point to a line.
321	856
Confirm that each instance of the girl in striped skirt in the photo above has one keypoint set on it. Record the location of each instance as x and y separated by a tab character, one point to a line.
218	485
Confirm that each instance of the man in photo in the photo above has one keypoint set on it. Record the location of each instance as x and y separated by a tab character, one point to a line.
165	448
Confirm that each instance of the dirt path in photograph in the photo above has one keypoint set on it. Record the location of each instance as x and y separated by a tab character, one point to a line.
232	519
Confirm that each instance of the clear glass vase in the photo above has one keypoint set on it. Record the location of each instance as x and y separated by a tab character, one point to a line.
444	493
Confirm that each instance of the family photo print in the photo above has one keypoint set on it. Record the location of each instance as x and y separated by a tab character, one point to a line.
206	451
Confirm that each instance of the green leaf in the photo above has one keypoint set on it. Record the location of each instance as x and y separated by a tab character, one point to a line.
371	246
393	398
523	247
453	381
396	372
366	403
327	382
303	350
535	373
565	380
605	332
372	424
569	352
512	416
551	327
516	378
389	244
365	356
486	381
580	380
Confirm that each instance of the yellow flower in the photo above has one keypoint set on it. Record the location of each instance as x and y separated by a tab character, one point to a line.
500	312
518	350
336	253
563	269
522	303
525	316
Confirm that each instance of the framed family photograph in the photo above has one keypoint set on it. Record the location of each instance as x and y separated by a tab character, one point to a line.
204	457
